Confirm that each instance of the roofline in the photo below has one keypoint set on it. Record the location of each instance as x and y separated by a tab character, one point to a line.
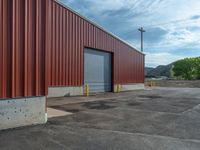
95	24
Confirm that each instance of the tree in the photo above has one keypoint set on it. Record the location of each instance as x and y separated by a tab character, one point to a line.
197	66
188	68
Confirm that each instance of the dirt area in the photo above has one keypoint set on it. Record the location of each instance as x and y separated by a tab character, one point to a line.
153	119
177	83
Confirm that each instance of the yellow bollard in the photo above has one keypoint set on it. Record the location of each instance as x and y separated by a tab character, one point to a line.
87	90
118	88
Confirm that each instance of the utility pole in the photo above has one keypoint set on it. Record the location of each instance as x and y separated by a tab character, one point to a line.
142	31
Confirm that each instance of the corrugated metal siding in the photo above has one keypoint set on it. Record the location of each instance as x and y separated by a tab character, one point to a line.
42	44
22	48
70	34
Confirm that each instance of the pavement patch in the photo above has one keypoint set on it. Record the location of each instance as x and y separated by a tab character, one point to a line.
134	103
150	96
56	113
100	105
66	109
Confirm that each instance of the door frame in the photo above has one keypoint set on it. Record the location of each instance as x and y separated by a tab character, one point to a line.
112	66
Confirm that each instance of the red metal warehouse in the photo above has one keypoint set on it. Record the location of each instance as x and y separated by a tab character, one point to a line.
44	50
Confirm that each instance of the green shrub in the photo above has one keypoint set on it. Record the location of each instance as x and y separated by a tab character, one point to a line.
188	68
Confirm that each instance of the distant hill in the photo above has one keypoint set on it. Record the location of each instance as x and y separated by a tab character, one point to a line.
166	70
162	70
147	70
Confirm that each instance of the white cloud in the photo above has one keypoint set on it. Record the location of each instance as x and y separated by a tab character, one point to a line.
179	35
132	5
107	5
155	59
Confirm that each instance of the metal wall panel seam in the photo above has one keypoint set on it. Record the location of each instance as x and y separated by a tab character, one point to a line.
137	58
31	53
88	34
75	52
67	48
1	48
57	45
61	48
43	55
51	42
54	48
70	48
64	48
95	38
22	46
140	68
26	48
143	66
13	49
4	46
37	47
72	51
58	42
47	43
78	51
135	68
17	51
54	45
82	55
29	48
9	55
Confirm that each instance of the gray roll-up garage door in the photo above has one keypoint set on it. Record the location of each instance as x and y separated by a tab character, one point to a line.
98	70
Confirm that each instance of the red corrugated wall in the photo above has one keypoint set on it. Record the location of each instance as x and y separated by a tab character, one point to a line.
70	34
22	48
42	44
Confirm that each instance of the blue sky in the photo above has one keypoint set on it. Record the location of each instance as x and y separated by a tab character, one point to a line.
173	26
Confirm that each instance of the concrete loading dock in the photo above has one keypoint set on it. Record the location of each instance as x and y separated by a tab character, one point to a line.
42	46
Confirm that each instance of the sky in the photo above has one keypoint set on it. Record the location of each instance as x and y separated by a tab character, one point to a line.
172	26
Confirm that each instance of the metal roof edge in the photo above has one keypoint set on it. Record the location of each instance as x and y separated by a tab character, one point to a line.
95	24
